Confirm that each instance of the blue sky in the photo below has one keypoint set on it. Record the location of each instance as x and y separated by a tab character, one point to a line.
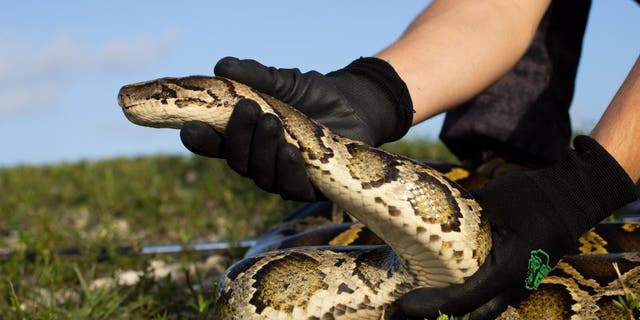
62	62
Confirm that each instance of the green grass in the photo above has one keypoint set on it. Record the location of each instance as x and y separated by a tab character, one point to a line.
137	201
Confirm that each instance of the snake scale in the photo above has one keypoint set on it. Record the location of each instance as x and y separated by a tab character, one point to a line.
434	231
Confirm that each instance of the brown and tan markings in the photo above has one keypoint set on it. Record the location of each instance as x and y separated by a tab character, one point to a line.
592	243
371	169
378	278
581	287
348	236
164	94
366	265
575	288
436	198
275	283
305	132
359	283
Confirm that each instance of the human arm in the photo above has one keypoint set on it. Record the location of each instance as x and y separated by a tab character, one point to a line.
455	49
365	101
467	38
618	130
547	209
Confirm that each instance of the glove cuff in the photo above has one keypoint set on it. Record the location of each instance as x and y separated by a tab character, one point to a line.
617	187
387	80
586	186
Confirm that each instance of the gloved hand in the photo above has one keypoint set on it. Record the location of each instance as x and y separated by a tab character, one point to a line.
366	101
536	217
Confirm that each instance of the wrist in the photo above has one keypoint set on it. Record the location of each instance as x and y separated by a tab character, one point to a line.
551	208
586	186
382	96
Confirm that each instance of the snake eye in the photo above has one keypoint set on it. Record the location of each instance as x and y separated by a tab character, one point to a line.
164	94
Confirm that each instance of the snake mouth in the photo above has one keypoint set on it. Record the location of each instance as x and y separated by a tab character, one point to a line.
121	101
128	107
125	101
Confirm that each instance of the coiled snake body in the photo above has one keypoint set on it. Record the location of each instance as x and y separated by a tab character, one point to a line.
434	228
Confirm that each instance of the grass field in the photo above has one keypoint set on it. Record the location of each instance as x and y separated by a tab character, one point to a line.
137	201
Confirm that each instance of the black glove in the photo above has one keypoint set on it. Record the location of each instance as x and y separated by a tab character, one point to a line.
536	217
366	101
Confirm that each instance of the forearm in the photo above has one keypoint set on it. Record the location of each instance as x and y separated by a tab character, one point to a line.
455	49
618	131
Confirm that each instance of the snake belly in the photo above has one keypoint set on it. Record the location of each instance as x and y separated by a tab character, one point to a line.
434	230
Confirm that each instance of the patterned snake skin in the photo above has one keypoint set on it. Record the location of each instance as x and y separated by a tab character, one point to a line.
435	233
433	230
584	285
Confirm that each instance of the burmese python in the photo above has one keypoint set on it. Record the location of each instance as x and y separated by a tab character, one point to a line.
433	226
582	286
434	230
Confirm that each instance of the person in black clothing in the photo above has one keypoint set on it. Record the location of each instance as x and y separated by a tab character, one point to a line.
504	72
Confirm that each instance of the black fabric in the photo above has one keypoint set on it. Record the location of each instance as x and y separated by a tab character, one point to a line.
386	80
546	209
524	116
586	187
366	101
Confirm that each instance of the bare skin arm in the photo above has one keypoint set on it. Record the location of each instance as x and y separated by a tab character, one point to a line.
455	49
618	130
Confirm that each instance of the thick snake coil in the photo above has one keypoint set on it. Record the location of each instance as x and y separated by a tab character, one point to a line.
434	229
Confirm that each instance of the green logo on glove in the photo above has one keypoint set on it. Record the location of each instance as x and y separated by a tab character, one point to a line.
538	269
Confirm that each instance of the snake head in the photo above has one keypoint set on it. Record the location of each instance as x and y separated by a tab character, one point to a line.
170	102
